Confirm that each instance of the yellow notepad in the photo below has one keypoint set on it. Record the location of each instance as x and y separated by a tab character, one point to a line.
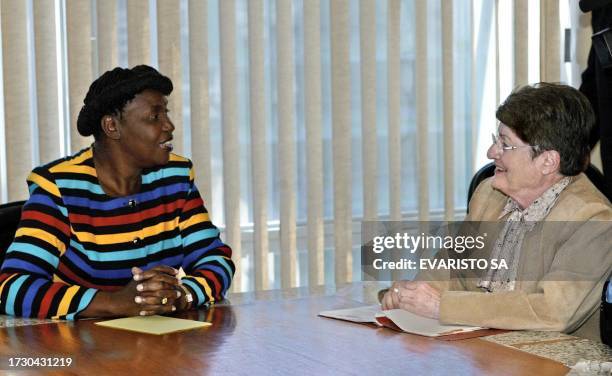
153	324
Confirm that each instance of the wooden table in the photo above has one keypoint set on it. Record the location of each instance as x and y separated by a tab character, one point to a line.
267	333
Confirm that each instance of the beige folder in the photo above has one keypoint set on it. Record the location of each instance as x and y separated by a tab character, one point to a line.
153	324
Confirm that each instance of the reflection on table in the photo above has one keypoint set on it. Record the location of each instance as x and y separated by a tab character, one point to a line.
270	332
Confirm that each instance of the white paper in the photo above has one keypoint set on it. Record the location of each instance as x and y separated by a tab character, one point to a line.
359	314
406	321
412	323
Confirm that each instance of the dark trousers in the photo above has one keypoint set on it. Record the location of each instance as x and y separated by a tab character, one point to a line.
597	86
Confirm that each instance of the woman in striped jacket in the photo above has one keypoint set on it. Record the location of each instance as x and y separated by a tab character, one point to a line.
106	231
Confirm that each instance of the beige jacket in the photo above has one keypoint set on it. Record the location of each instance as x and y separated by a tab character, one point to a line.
560	288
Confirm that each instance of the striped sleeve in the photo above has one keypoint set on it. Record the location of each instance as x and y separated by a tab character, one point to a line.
207	260
26	276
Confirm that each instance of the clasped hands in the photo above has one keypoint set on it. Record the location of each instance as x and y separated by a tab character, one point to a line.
414	296
152	292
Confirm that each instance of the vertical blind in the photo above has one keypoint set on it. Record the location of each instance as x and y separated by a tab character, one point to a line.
302	117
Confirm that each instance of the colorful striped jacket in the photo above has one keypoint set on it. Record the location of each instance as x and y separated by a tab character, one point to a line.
74	240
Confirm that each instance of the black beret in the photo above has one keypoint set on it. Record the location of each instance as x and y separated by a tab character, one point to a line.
111	91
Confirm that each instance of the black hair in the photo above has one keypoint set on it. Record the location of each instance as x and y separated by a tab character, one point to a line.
109	94
552	117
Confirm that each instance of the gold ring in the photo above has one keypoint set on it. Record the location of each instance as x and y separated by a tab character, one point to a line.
164	300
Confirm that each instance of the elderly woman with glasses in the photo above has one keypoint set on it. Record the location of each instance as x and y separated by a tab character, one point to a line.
554	226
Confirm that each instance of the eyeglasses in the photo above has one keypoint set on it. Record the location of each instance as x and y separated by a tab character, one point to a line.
504	147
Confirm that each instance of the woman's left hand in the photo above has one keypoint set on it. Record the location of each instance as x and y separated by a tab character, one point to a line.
414	296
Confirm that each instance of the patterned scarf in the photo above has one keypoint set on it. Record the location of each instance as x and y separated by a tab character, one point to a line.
509	242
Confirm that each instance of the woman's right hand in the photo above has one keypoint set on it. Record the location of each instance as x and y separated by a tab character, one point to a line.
391	298
414	296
